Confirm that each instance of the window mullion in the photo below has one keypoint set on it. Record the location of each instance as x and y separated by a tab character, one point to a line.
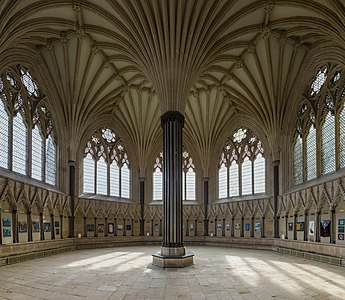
108	178
95	183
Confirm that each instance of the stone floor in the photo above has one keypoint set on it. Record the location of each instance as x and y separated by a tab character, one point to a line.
127	273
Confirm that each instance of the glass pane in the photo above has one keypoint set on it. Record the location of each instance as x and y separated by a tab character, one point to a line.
190	184
259	174
298	161
157	185
114	180
3	136
36	154
311	154
184	197
102	177
342	137
246	176
89	175
328	144
50	161
234	184
125	181
19	145
222	182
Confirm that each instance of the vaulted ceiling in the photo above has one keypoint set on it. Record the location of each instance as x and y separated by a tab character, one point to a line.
214	61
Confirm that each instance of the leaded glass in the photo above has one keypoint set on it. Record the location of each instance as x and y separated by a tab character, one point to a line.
50	161
318	82
328	144
3	136
125	181
233	180
259	174
223	182
19	156
247	176
298	161
114	180
190	184
311	153
239	135
28	82
89	174
157	184
342	137
36	154
102	177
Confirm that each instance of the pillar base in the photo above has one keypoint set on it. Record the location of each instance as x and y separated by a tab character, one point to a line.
172	258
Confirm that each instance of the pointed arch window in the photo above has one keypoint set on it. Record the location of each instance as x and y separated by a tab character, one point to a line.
319	118
3	130
242	167
106	168
25	120
158	178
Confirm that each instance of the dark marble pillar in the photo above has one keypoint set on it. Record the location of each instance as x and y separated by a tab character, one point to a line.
29	221
106	226
295	226
142	206
206	206
223	228
333	220
71	197
242	227
317	227
61	226
172	123
232	227
306	227
286	226
275	198
252	228
95	232
263	227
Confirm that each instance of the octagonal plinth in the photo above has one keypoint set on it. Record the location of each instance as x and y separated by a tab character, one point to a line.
172	261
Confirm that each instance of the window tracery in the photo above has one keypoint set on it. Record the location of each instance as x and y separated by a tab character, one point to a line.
106	168
242	168
22	109
319	118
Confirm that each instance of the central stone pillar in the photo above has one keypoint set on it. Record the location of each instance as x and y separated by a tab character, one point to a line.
173	253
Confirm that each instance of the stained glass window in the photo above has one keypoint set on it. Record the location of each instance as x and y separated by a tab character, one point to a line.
311	154
320	79
36	154
328	144
19	156
298	161
3	135
125	181
157	185
89	174
50	161
188	177
342	137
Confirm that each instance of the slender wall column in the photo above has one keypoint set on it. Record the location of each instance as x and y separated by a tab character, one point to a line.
85	227
61	226
95	232
115	226
151	233
196	227
232	227
29	221
223	228
172	123
286	226
132	227
295	226
333	219
142	206
263	227
306	227
206	206
41	227
124	227
252	228
275	198
0	226
187	227
242	227
105	226
52	227
160	227
71	197
15	225
317	227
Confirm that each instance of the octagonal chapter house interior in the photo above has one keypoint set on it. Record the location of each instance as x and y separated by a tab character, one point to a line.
172	123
